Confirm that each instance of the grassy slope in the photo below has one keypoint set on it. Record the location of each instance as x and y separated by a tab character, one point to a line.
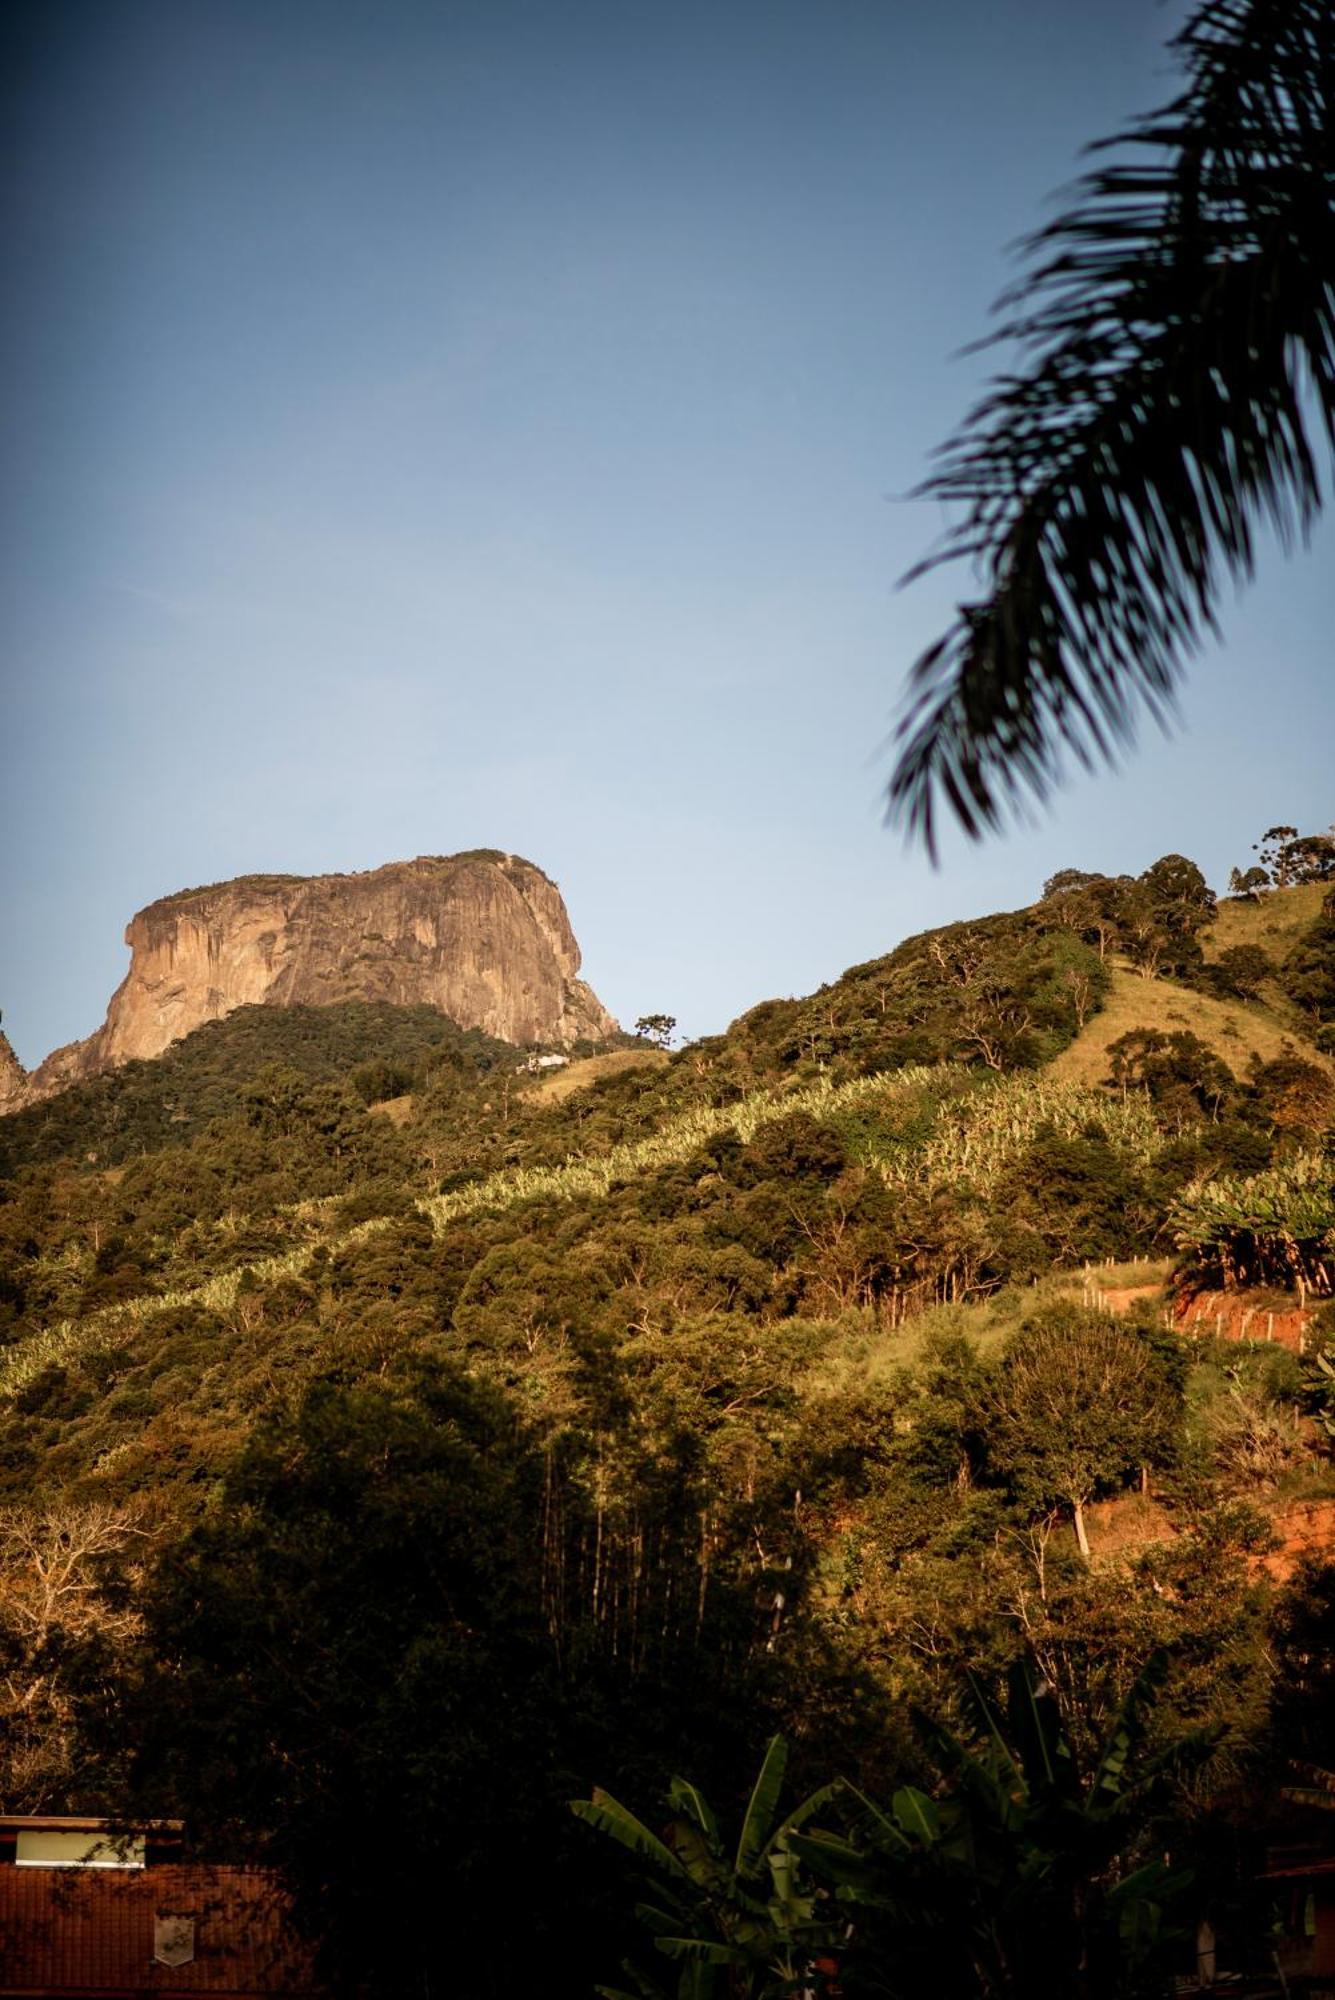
1236	1030
562	1083
1273	923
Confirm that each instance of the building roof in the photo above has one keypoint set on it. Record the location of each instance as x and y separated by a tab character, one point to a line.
83	1823
73	1933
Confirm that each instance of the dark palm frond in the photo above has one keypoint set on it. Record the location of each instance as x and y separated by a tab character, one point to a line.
1179	335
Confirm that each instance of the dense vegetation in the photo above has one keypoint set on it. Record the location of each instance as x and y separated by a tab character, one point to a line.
142	1107
386	1441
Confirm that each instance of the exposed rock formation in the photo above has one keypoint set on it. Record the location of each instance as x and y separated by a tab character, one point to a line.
484	937
14	1089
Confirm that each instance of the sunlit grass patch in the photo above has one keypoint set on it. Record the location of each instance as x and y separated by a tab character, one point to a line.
1235	1030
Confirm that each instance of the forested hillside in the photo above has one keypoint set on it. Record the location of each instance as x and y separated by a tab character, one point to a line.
387	1444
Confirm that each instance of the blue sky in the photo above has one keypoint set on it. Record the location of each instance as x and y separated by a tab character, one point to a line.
436	426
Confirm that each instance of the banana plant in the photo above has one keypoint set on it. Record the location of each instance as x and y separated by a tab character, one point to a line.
1320	1387
1013	1883
741	1921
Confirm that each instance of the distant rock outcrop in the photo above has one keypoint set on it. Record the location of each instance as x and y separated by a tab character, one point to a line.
14	1081
484	937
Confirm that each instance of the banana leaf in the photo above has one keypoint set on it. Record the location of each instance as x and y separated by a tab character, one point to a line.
701	1951
620	1824
1127	1730
759	1819
917	1815
684	1797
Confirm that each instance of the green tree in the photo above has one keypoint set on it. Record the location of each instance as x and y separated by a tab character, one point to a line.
1183	1078
1308	973
1169	906
1295	1096
1177	340
1079	1403
1303	1644
657	1028
326	1651
1096	909
1312	857
64	1633
1249	883
1273	848
1241	971
1292	857
1065	880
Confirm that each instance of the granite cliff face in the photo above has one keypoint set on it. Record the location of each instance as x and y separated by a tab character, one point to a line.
13	1078
484	937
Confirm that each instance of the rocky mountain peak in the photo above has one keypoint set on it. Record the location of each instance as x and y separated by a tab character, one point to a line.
483	936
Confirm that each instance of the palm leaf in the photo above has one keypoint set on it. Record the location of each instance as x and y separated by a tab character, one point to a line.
620	1824
1179	333
791	1908
762	1806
